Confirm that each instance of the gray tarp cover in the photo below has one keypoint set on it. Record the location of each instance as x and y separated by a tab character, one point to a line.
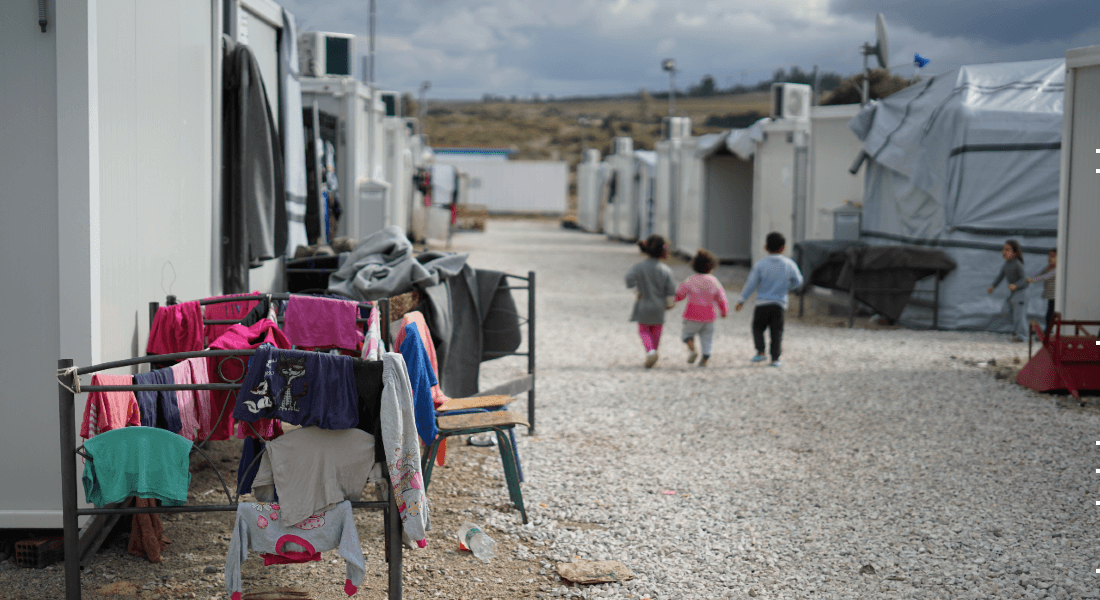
963	161
469	312
883	276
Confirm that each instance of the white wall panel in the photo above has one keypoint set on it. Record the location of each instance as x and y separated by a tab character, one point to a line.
833	148
29	330
1079	210
156	167
516	186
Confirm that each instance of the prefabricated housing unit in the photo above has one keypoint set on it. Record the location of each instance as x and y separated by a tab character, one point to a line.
514	186
1077	296
110	162
358	140
590	174
621	213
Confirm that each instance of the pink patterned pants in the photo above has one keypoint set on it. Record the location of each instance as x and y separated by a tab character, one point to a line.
651	335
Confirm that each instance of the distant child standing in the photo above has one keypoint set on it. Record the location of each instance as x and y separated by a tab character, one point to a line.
656	290
1046	275
775	275
1012	271
703	293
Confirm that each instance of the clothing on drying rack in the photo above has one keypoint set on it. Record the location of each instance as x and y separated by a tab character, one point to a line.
417	318
368	386
399	436
227	310
372	346
203	410
105	411
147	532
262	528
232	369
422	379
248	466
158	409
300	388
176	328
136	461
317	322
382	265
185	401
311	468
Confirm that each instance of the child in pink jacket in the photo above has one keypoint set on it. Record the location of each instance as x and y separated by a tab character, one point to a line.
703	292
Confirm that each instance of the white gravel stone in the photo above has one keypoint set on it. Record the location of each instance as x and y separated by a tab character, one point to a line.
887	448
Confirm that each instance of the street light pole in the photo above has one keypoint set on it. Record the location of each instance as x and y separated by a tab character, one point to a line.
669	65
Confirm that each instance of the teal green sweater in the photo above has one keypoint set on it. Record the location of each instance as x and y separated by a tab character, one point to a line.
137	461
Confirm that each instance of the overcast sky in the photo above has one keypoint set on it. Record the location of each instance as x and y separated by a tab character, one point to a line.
468	48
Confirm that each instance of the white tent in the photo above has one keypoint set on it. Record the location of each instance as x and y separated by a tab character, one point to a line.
963	161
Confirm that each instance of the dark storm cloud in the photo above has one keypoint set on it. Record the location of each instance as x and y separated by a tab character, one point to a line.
999	21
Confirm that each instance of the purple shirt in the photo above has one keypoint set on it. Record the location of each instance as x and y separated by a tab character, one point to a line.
300	388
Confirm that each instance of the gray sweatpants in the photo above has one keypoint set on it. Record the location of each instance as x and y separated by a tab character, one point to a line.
705	331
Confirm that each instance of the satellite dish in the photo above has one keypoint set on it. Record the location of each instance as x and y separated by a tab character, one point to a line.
881	49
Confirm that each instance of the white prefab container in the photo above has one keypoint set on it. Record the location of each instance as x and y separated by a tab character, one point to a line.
714	207
645	166
1079	200
621	213
360	153
833	148
589	175
109	160
516	186
399	160
780	182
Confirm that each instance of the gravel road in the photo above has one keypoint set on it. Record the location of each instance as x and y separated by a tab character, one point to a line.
872	464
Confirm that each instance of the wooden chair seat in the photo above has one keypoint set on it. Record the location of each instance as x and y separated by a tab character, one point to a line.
474	402
500	418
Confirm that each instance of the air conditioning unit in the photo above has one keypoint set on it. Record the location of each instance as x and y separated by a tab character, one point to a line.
791	100
392	101
323	54
624	145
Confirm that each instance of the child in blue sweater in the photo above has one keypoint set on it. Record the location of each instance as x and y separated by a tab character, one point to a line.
774	275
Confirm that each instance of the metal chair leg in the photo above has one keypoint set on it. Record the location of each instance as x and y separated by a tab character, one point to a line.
507	456
429	460
515	452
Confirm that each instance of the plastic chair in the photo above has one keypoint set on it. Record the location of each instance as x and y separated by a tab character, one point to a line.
499	422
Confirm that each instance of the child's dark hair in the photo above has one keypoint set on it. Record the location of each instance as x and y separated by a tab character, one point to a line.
775	242
704	261
1016	249
655	246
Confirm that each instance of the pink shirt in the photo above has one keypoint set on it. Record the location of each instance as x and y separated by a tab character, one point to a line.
702	292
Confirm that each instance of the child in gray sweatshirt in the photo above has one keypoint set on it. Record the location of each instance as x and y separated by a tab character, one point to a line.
1012	271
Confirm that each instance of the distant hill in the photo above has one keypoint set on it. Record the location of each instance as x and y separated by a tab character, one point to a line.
556	129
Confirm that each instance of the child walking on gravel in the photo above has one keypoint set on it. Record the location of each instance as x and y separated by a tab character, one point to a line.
1012	271
703	293
775	275
1046	275
656	289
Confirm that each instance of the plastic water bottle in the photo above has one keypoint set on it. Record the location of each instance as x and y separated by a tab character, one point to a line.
472	538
